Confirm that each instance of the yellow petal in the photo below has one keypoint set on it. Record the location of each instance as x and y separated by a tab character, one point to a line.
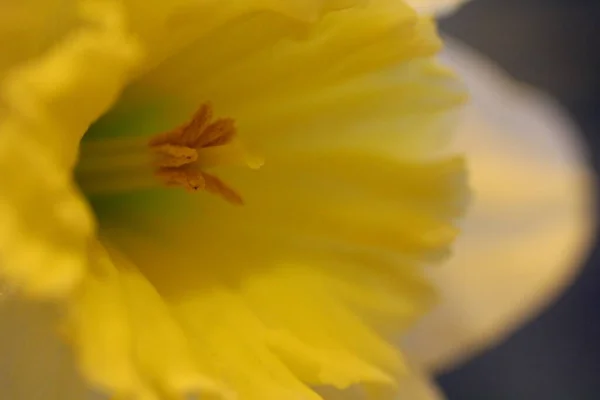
169	28
260	347
322	341
311	82
124	331
277	286
28	28
530	225
99	316
281	58
49	103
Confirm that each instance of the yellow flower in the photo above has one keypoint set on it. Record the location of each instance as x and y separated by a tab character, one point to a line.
226	198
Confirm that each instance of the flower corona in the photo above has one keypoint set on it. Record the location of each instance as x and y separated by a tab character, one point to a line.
234	199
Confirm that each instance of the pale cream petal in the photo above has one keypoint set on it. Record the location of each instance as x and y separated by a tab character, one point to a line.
436	7
530	224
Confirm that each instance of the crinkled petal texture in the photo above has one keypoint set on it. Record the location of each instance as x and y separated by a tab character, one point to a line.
183	294
48	102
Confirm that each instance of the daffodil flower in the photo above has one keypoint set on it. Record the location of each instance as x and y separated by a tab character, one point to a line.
136	332
222	199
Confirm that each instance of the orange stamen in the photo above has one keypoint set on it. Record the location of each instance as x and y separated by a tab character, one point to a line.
176	153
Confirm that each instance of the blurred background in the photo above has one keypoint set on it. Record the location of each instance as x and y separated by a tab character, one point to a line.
553	45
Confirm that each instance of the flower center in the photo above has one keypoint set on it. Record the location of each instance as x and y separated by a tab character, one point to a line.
177	158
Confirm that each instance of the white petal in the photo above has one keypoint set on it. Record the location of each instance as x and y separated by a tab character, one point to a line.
35	364
530	223
435	7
